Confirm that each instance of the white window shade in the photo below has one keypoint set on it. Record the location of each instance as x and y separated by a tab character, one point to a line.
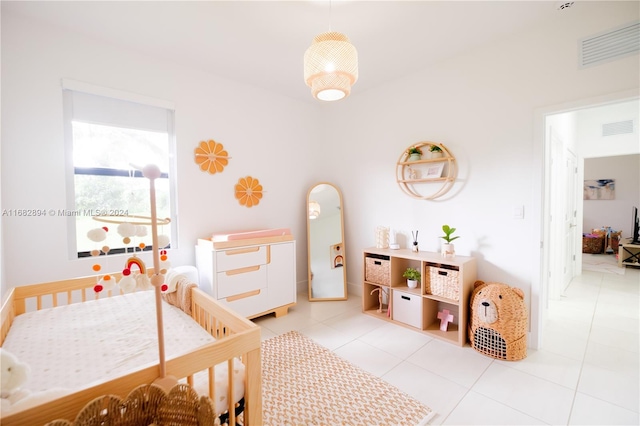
96	109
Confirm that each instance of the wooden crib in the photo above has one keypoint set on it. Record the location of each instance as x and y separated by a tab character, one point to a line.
235	337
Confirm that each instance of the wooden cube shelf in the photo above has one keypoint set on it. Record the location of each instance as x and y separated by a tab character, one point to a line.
445	284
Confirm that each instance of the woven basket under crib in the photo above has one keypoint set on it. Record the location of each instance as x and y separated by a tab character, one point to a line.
147	404
499	321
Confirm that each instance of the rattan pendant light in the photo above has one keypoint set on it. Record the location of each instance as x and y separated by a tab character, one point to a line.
330	65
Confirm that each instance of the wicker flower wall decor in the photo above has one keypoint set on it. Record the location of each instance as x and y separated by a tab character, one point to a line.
211	156
248	191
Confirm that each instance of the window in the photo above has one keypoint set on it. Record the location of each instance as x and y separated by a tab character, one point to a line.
109	137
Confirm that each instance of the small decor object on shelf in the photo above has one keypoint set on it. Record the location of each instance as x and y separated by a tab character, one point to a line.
414	246
381	306
413	276
436	151
435	171
445	318
211	156
393	242
448	250
248	191
414	153
499	321
382	237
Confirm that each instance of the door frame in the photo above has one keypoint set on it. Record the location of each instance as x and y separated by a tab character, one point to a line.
540	224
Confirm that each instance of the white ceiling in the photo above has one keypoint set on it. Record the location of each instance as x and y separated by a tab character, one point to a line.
262	43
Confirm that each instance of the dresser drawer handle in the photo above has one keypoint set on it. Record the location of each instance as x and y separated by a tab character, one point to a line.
243	270
405	297
241	251
243	295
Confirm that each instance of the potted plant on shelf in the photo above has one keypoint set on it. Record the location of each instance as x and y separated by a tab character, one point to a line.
413	276
436	151
447	249
414	153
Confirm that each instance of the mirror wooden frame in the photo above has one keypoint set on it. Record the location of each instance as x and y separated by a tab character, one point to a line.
334	250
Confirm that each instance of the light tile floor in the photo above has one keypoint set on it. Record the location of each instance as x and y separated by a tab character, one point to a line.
587	372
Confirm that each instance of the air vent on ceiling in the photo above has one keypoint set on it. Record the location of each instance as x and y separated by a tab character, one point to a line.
610	45
618	128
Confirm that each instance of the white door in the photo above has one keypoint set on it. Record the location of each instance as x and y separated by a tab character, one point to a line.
570	222
556	236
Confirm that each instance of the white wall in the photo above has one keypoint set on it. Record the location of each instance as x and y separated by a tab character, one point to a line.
615	213
259	129
594	144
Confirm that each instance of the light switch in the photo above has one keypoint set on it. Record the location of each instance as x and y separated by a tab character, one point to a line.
518	212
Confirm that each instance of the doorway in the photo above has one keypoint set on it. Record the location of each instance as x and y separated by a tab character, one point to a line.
564	138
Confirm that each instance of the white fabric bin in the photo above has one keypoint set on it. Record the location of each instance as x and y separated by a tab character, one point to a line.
407	308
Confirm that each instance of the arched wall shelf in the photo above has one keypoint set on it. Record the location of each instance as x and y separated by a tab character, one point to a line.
429	177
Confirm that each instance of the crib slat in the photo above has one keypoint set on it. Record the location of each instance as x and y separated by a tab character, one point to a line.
211	372
232	406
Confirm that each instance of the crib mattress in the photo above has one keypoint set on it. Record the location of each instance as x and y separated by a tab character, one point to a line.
73	346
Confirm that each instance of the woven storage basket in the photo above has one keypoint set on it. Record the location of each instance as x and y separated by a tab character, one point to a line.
499	321
377	270
147	404
593	245
443	282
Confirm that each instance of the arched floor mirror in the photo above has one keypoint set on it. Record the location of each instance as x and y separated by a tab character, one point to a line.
325	243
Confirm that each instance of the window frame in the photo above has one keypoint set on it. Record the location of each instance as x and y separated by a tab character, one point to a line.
68	88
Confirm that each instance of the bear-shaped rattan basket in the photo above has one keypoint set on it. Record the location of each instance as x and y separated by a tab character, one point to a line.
499	321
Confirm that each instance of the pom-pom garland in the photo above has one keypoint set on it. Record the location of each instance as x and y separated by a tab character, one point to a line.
127	229
141	231
163	241
97	235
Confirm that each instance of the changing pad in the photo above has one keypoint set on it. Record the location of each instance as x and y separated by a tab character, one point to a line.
261	236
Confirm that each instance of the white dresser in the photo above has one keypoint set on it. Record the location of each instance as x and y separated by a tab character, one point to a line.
253	276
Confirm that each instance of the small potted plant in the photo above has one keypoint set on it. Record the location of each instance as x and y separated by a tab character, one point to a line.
436	151
447	249
413	276
414	153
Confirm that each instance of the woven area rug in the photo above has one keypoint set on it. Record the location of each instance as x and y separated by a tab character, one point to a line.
306	384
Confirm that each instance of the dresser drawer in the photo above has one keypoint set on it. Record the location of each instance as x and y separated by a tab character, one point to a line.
242	257
241	280
249	304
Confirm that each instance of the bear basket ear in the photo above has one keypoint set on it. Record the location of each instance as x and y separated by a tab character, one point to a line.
518	291
477	284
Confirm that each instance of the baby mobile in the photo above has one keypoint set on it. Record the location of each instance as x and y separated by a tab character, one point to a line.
127	228
131	279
